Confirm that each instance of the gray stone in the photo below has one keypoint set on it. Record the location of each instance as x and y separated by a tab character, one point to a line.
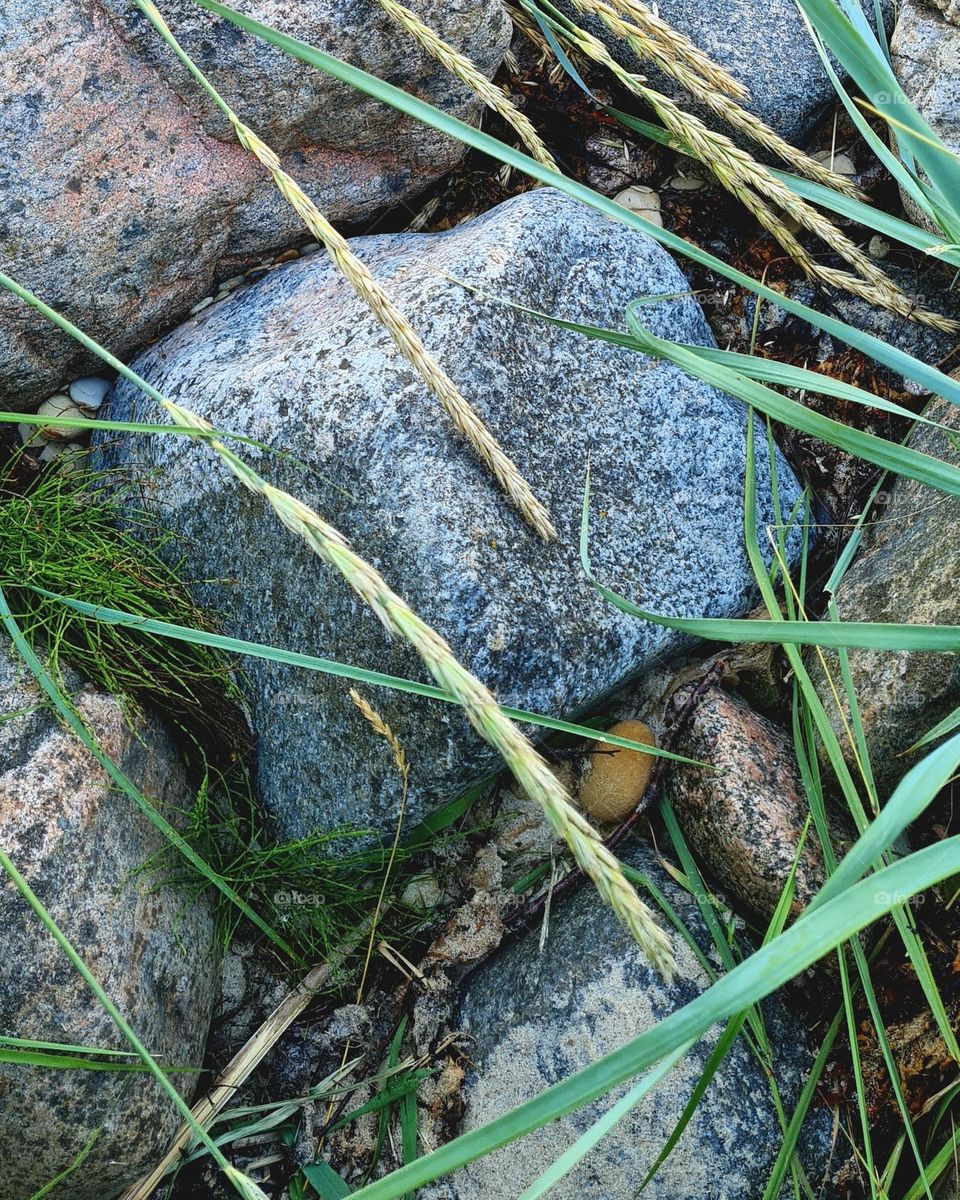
950	9
124	197
77	840
535	1018
299	363
906	570
764	44
745	819
925	54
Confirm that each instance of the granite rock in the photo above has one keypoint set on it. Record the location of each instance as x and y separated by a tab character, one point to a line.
744	822
124	197
298	363
925	55
77	840
535	1018
907	569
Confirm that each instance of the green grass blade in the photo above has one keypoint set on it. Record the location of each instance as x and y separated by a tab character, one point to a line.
325	1181
918	788
329	666
890	356
769	968
84	423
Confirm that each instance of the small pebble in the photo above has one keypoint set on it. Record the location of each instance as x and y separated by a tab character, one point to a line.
839	164
198	308
422	894
286	256
687	183
231	284
89	392
51	451
309	248
643	200
221	295
877	248
60	406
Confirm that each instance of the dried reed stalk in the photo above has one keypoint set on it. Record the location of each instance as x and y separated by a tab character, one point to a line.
467	422
459	65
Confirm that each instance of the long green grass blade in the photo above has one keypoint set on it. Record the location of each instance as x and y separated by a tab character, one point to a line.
890	356
797	948
329	666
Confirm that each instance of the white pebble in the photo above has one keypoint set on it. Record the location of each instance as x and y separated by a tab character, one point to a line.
877	248
642	200
89	392
230	284
198	308
839	164
52	450
69	456
687	183
309	248
422	894
60	406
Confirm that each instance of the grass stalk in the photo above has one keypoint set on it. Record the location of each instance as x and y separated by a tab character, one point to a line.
459	65
464	418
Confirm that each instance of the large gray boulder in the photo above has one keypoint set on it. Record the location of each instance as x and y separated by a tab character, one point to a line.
78	842
907	570
925	54
124	196
763	43
535	1017
299	363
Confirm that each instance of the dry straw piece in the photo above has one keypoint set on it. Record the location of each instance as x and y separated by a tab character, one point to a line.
468	424
459	65
379	725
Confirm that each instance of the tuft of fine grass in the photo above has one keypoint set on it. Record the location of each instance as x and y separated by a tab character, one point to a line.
65	532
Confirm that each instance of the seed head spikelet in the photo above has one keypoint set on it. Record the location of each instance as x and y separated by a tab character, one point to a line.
459	65
757	188
465	419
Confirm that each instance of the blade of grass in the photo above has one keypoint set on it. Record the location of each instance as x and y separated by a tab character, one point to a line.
331	666
890	356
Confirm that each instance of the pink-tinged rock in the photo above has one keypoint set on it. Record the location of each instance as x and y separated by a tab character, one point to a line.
744	820
79	842
124	196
